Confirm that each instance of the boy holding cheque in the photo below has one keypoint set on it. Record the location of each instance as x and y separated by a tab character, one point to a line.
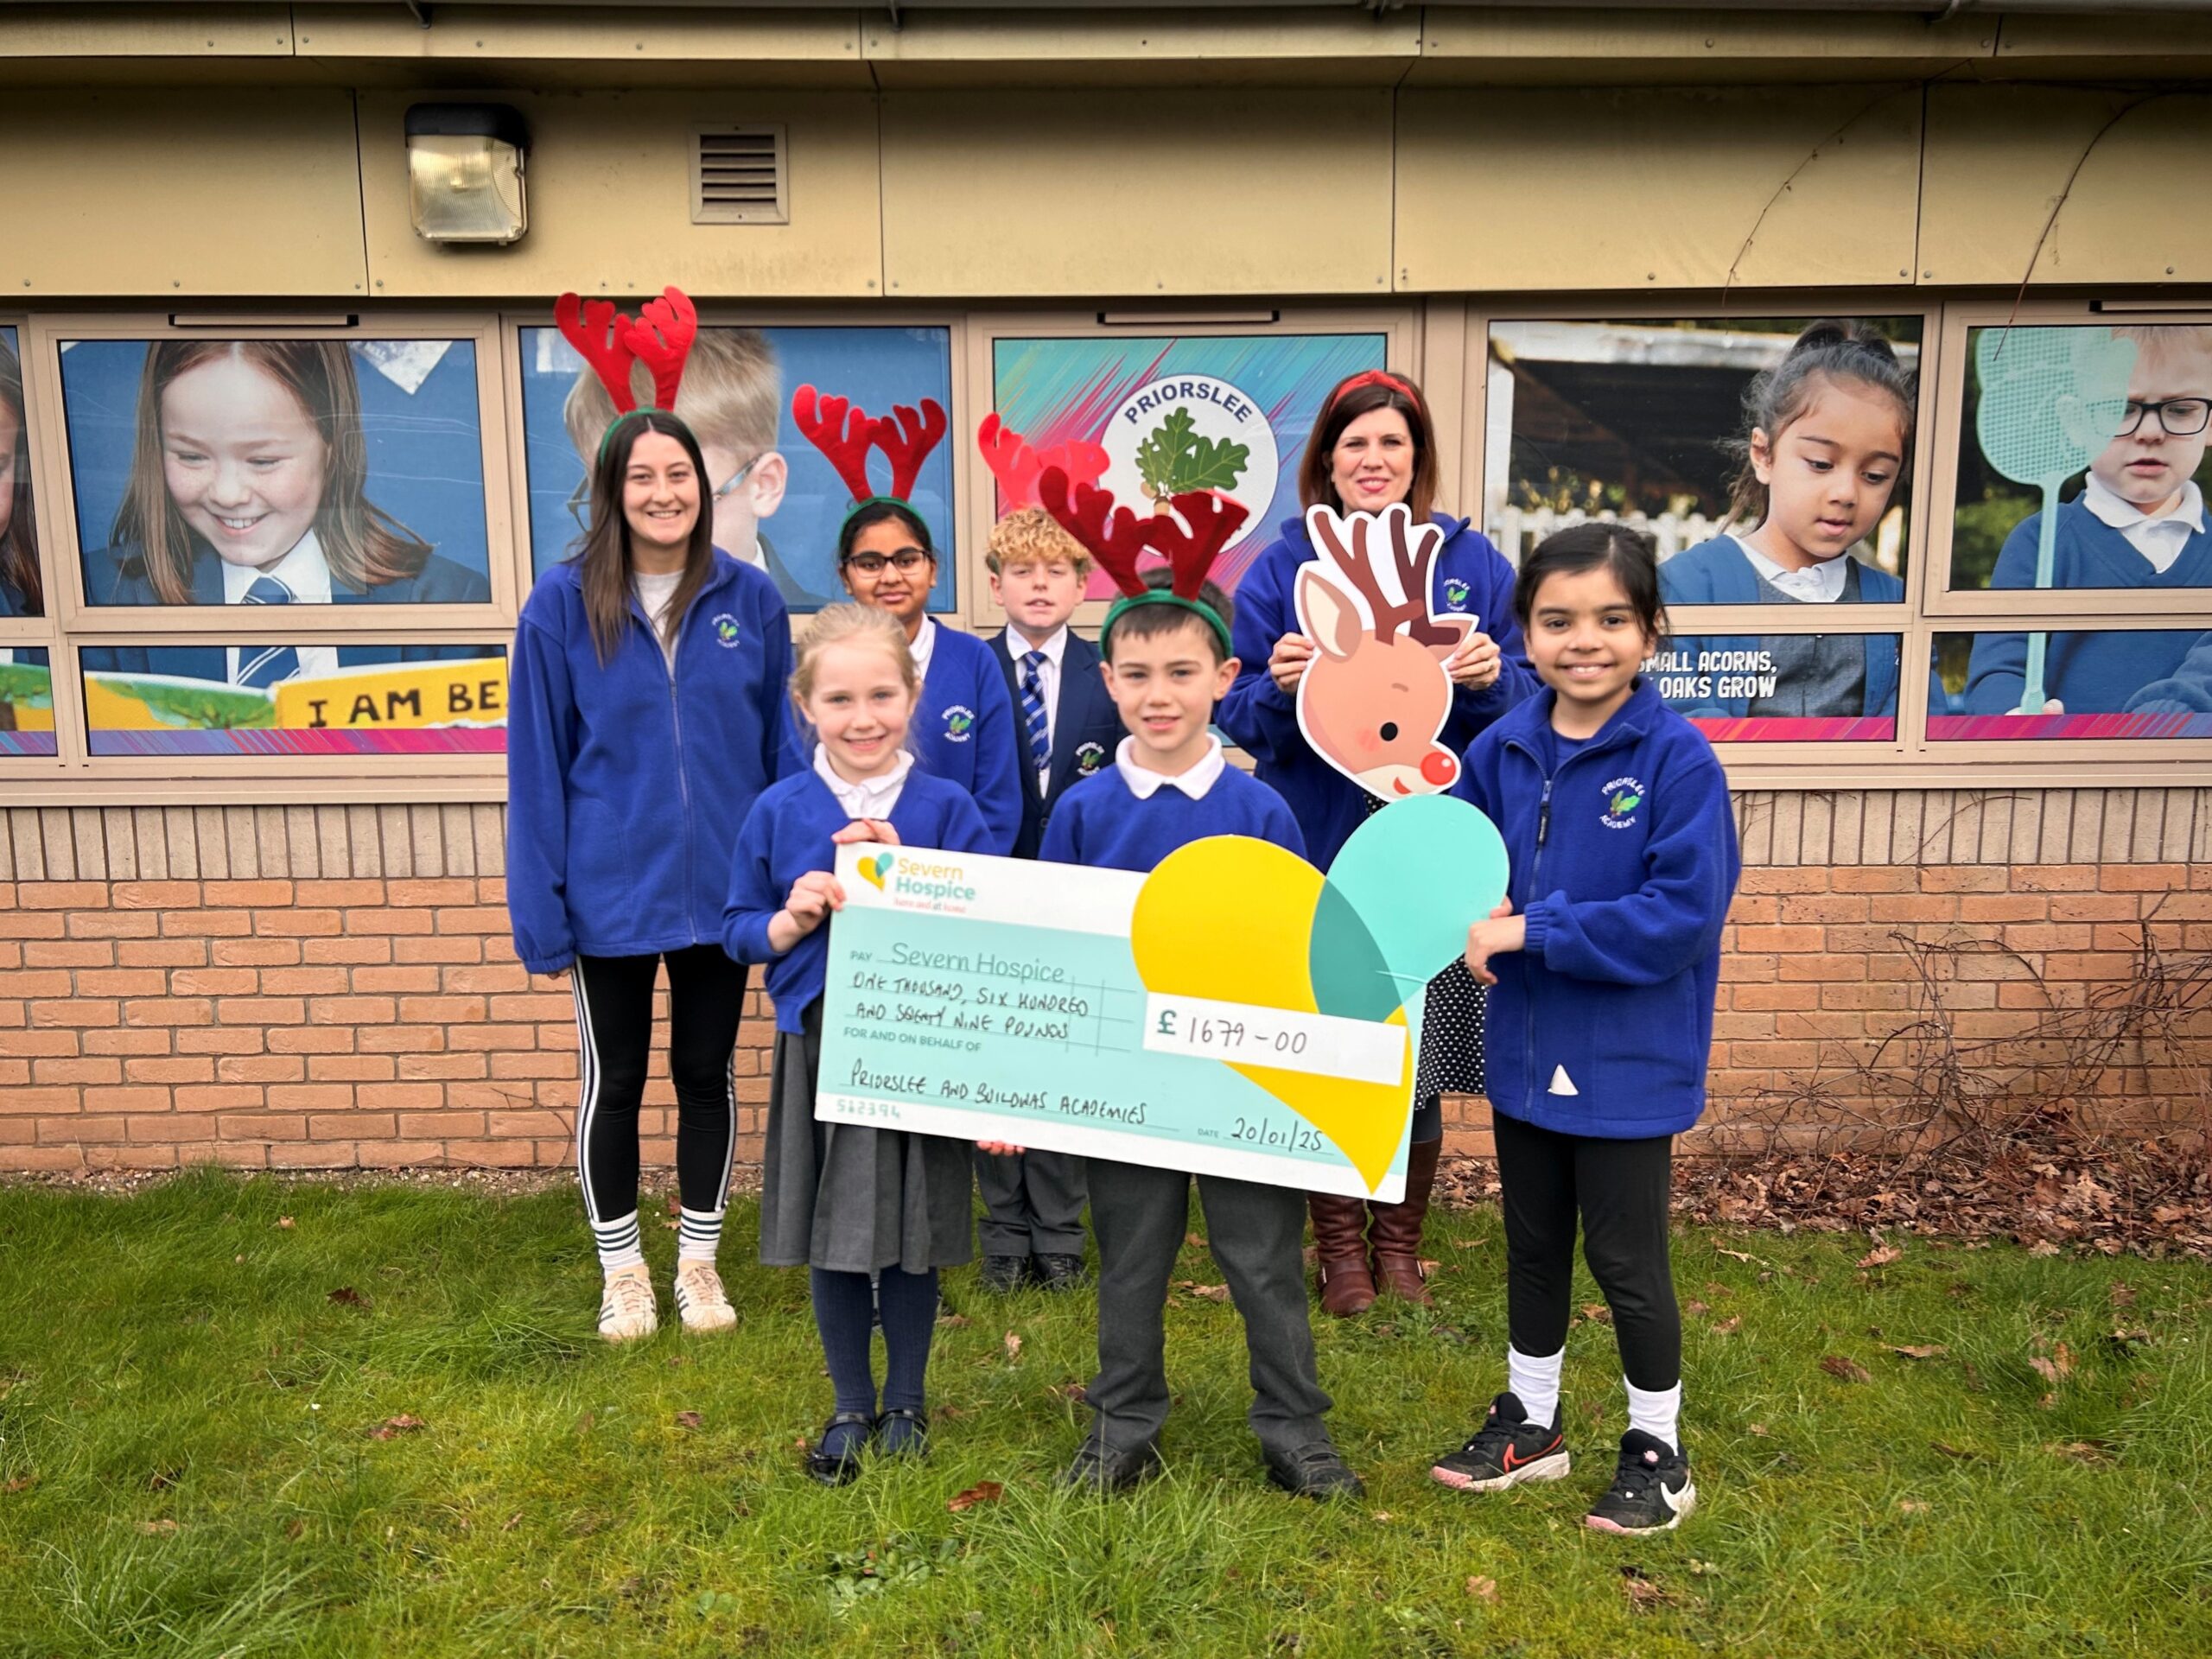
1168	662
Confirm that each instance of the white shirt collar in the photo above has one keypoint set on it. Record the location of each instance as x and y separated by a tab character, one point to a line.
923	647
871	798
2101	499
1815	584
1194	782
304	570
1055	648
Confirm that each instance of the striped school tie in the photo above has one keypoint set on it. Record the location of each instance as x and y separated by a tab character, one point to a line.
1032	711
262	666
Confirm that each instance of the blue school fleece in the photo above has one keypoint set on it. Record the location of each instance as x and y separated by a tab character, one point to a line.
964	732
2089	673
1624	859
626	783
1717	572
1103	824
1470	578
786	833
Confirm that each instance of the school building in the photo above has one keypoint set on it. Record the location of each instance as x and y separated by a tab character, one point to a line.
259	928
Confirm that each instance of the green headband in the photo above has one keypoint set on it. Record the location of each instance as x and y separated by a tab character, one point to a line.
1197	608
906	507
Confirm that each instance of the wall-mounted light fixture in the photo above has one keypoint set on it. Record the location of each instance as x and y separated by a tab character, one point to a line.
465	172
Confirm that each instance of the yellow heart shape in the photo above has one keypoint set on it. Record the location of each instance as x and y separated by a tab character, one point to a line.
1232	917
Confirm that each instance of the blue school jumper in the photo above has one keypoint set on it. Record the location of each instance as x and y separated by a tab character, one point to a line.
785	834
1624	859
440	581
1086	730
1717	572
1102	823
2091	673
1470	578
964	732
626	783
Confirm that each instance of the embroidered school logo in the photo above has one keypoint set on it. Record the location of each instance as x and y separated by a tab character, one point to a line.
1623	796
959	720
726	631
1455	592
1089	757
873	870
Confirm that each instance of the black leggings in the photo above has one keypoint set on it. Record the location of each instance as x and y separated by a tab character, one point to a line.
1619	1188
615	1025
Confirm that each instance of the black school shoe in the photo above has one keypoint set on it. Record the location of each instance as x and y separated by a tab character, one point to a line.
1313	1470
1652	1490
1102	1469
1057	1273
1505	1451
839	1467
902	1432
1004	1274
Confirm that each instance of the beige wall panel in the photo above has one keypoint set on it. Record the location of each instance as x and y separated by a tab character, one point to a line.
1998	156
822	45
1205	193
270	205
1140	46
610	201
82	31
2158	48
1531	188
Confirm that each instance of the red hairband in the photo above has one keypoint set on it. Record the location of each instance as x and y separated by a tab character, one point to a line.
1376	377
660	336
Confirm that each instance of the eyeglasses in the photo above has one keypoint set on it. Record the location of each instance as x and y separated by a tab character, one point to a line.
907	560
579	501
2183	417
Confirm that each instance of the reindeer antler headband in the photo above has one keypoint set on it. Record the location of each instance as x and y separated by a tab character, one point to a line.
660	336
1116	537
844	433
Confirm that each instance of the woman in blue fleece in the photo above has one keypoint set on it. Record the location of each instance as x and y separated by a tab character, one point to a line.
1371	448
873	1213
1603	964
648	716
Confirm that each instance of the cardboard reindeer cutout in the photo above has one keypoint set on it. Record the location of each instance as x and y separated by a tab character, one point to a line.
1377	692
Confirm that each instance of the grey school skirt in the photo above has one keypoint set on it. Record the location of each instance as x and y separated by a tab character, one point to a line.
851	1198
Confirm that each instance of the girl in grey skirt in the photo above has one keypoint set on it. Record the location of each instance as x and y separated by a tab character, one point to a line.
850	1203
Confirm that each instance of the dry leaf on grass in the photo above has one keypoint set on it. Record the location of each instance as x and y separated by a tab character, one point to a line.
1071	1391
1918	1350
1881	1255
1483	1588
18	1484
163	1528
687	1420
1209	1292
1196	1240
2080	1450
1695	1306
1760	1429
1643	1592
346	1296
1729	1326
954	1320
285	1221
1844	1369
984	1491
2122	1339
1911	1506
2043	1246
1012	1346
392	1428
2122	1294
1598	1313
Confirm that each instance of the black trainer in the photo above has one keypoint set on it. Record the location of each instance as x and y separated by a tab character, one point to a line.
1652	1490
1005	1273
1102	1469
1505	1451
1313	1470
1057	1272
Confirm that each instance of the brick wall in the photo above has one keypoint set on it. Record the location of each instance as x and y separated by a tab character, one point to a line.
333	985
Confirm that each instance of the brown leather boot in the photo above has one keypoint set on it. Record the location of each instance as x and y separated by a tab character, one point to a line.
1340	1253
1396	1232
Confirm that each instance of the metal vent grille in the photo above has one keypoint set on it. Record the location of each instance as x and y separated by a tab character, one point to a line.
737	176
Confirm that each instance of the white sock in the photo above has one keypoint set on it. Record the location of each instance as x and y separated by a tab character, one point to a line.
1657	1412
618	1246
1536	1380
698	1236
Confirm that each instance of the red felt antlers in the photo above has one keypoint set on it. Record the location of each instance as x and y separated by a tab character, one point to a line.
1116	537
1017	465
845	433
660	336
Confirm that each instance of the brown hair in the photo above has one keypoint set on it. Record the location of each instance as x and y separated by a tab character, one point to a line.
1032	536
364	546
19	547
1830	352
838	625
603	553
732	395
1359	395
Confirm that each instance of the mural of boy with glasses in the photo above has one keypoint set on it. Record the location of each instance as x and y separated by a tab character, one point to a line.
731	399
2138	522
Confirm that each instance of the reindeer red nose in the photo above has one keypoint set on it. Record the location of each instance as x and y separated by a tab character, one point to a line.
1439	768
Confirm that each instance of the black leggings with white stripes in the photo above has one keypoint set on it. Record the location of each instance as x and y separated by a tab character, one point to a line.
615	1022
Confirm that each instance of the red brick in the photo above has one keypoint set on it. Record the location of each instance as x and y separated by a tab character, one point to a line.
295	923
505	976
1806	878
442	1065
76	1011
399	1155
122	982
261	1010
260	1068
43	1158
417	980
220	1040
317	982
351	1010
90	1068
182	1068
310	1096
1962	878
465	950
1875	878
487	919
161	953
259	895
61	895
16	925
398	1097
339	895
156	895
68	953
264	1126
1823	908
215	981
169	1011
218	1097
256	953
120	1040
349	1068
490	1153
37	982
31	1044
2144	878
342	1126
205	923
389	920
432	895
2003	907
1780	938
2055	878
441	1126
312	1039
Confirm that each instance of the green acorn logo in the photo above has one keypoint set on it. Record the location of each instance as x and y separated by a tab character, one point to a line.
1624	802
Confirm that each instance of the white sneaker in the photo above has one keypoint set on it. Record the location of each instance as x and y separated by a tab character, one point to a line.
627	1308
700	1300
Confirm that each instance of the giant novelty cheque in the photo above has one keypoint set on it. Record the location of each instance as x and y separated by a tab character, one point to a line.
1234	1011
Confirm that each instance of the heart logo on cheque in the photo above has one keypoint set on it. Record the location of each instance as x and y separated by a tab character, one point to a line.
1241	920
873	870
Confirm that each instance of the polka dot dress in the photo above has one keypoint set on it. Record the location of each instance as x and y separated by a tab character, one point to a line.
1451	1060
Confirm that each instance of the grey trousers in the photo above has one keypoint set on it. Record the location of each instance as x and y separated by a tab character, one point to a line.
1255	1232
1033	1205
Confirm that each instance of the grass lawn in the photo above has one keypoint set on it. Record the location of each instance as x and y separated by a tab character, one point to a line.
190	1390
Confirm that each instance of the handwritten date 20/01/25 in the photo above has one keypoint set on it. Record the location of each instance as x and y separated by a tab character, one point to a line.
1259	1132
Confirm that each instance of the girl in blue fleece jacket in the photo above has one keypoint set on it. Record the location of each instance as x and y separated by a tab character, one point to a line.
1604	963
873	1213
646	693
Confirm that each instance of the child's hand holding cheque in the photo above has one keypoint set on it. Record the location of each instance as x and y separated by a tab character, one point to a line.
1503	931
814	895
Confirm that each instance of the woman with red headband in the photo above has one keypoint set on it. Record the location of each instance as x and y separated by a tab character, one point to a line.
1371	448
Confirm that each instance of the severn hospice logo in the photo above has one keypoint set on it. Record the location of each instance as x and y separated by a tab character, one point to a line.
931	887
